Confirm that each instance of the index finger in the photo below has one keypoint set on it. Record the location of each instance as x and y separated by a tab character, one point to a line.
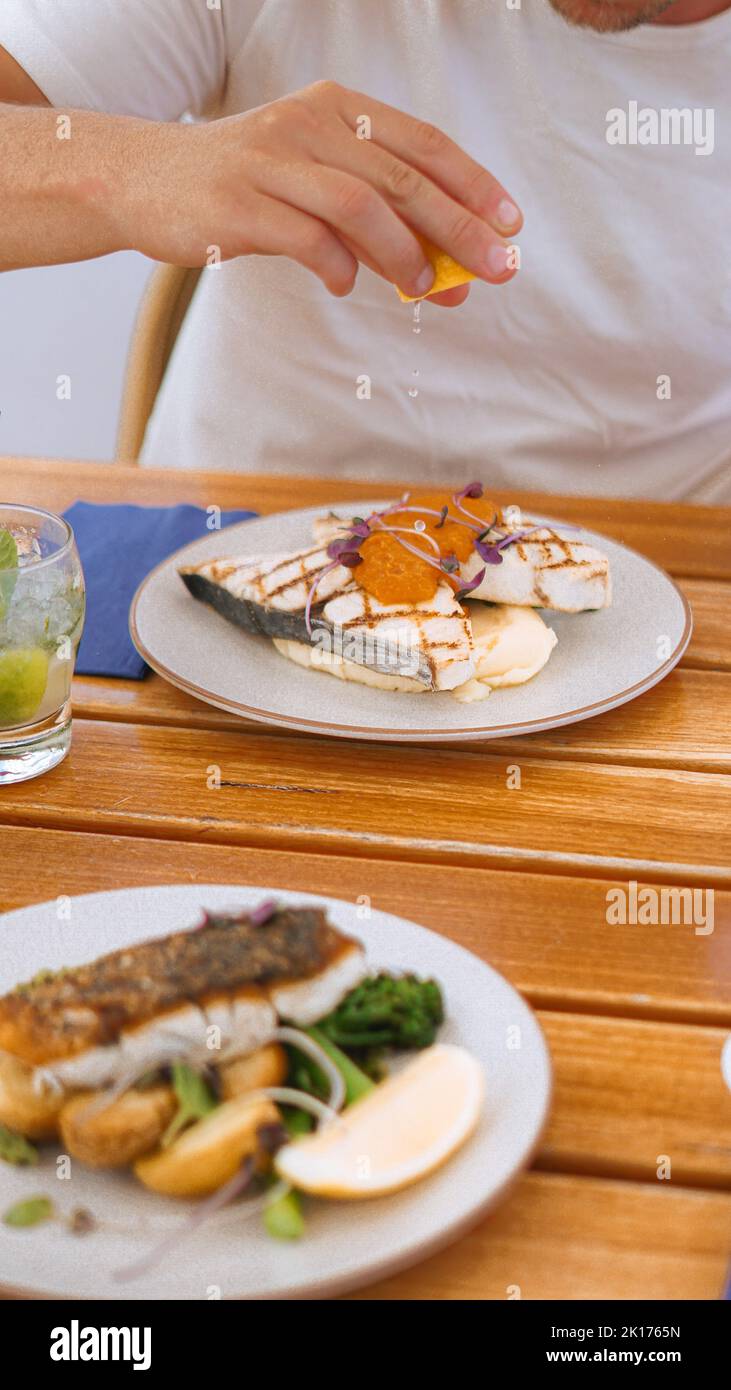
426	148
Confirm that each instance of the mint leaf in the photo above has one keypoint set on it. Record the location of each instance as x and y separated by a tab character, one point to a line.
15	1149
30	1212
195	1099
8	550
8	561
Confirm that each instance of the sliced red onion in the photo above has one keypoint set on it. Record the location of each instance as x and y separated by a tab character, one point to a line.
304	1043
302	1100
282	1095
203	1212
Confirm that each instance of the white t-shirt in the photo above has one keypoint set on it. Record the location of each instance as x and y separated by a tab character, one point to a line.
604	367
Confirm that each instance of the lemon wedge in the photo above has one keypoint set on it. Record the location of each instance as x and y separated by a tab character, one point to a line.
402	1130
448	273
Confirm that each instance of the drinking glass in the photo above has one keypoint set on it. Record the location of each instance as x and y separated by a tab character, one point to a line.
41	618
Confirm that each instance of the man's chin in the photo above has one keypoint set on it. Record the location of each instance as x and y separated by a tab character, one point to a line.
610	16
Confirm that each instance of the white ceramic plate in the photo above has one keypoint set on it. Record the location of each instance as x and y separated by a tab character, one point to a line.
346	1244
602	659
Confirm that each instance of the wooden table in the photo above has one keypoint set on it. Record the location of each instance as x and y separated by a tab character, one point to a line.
635	1016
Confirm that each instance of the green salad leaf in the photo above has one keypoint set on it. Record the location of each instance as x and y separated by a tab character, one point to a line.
15	1149
284	1218
30	1212
195	1099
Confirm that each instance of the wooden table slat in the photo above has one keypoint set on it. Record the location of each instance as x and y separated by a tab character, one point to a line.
453	807
683	722
710	645
633	1098
547	934
562	1238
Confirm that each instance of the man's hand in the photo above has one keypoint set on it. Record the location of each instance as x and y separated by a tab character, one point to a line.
294	178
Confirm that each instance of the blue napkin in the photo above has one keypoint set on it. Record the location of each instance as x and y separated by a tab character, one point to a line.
119	545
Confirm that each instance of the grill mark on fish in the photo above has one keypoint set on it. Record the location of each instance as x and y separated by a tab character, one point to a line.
229	957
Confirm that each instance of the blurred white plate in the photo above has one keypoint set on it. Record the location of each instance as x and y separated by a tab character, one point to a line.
602	659
345	1244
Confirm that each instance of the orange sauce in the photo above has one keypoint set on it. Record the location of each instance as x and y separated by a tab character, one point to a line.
392	574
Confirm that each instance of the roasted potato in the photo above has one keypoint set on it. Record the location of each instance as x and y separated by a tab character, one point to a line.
265	1067
111	1136
205	1156
22	1108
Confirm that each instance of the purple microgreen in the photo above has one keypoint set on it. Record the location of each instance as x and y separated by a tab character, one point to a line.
263	912
469	586
444	515
409	531
493	554
343	546
484	534
471	490
308	606
489	553
351	558
450	563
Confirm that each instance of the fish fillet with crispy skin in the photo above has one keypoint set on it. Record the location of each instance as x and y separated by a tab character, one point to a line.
429	642
153	1003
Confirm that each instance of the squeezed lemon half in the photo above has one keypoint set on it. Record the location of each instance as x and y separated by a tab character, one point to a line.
448	273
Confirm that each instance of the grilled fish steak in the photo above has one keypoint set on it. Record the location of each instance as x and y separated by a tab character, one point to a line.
156	1002
543	570
430	642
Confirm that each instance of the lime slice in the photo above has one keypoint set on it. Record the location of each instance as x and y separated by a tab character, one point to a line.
23	676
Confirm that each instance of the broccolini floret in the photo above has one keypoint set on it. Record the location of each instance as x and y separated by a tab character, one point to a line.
399	1011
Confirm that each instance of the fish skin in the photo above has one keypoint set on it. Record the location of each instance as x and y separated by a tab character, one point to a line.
430	642
546	569
169	985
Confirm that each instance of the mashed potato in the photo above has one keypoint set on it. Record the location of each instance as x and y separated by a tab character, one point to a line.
511	646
